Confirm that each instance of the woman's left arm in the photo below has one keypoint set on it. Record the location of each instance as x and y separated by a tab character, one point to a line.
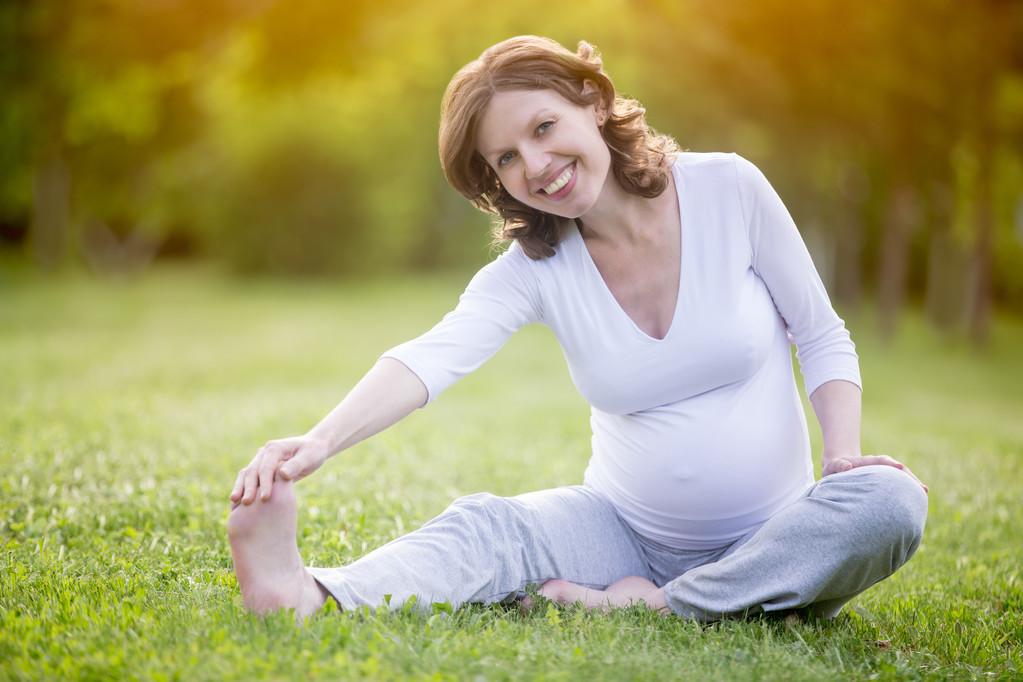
839	408
827	356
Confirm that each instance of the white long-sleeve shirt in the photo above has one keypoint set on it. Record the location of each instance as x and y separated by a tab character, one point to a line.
700	436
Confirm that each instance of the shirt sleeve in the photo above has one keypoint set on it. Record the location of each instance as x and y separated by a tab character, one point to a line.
502	297
780	258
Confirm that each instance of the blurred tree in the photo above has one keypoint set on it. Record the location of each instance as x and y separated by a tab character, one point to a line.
871	85
997	29
37	178
100	91
257	129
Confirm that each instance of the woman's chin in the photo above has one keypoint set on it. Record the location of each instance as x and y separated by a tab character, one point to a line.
570	210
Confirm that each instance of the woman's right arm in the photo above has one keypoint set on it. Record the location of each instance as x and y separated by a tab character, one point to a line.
386	394
500	298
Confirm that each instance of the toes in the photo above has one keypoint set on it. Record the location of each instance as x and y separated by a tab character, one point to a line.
282	495
245	518
242	521
554	590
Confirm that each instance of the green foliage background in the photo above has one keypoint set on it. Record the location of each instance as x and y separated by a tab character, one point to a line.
300	137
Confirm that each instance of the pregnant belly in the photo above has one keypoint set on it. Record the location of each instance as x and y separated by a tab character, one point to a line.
674	472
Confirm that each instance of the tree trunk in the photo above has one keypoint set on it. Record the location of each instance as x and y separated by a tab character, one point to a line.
946	264
854	192
979	302
848	279
48	234
900	221
1000	51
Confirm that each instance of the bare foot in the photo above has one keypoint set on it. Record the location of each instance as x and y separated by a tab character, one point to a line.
634	589
554	589
624	593
270	570
565	592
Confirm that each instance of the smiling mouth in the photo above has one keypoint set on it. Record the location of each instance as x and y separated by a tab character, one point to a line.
559	182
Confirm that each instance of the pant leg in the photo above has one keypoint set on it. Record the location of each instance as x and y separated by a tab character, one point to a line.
485	548
848	532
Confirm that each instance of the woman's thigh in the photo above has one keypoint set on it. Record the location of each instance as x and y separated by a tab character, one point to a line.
486	548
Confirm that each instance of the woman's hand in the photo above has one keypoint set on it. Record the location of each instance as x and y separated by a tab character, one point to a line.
838	464
289	458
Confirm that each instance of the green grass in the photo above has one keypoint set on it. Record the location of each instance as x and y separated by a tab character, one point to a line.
127	408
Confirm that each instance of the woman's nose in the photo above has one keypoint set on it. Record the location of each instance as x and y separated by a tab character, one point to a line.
537	162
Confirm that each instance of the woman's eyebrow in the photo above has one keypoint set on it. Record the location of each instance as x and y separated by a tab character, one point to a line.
528	127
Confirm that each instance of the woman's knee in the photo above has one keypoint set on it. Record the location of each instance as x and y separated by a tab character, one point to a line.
478	508
494	515
897	503
476	502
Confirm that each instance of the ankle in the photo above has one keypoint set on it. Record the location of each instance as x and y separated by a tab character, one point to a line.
313	597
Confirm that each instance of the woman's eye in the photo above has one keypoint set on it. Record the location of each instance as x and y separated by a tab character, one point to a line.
505	158
543	126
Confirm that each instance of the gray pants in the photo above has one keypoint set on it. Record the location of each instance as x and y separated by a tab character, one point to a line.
847	532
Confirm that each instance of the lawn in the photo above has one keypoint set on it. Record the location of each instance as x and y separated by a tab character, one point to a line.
128	407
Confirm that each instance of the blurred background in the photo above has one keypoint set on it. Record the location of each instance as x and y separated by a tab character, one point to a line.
299	138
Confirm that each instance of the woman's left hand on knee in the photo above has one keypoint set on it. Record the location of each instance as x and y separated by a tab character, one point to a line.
835	465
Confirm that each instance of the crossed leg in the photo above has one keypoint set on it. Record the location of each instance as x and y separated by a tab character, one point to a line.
852	529
849	531
270	570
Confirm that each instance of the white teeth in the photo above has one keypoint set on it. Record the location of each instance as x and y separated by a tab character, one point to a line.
560	182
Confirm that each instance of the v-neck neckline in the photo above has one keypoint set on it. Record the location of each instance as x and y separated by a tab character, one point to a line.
676	179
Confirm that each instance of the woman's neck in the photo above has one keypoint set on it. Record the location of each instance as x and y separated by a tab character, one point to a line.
623	219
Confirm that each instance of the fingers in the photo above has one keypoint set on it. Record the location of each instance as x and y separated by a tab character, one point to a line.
292	468
239	486
296	467
840	464
236	491
266	471
869	460
258	477
306	458
922	484
251	481
836	466
885	460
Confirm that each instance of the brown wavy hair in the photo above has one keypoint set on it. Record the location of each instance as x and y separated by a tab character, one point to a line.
638	153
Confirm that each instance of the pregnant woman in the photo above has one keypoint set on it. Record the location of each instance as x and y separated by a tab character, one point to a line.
674	283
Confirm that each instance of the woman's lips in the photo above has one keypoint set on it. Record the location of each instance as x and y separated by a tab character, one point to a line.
567	187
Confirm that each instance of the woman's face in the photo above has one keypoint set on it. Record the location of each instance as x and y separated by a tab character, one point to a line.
547	152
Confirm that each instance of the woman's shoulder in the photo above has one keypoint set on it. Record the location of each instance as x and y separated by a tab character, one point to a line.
693	160
719	171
